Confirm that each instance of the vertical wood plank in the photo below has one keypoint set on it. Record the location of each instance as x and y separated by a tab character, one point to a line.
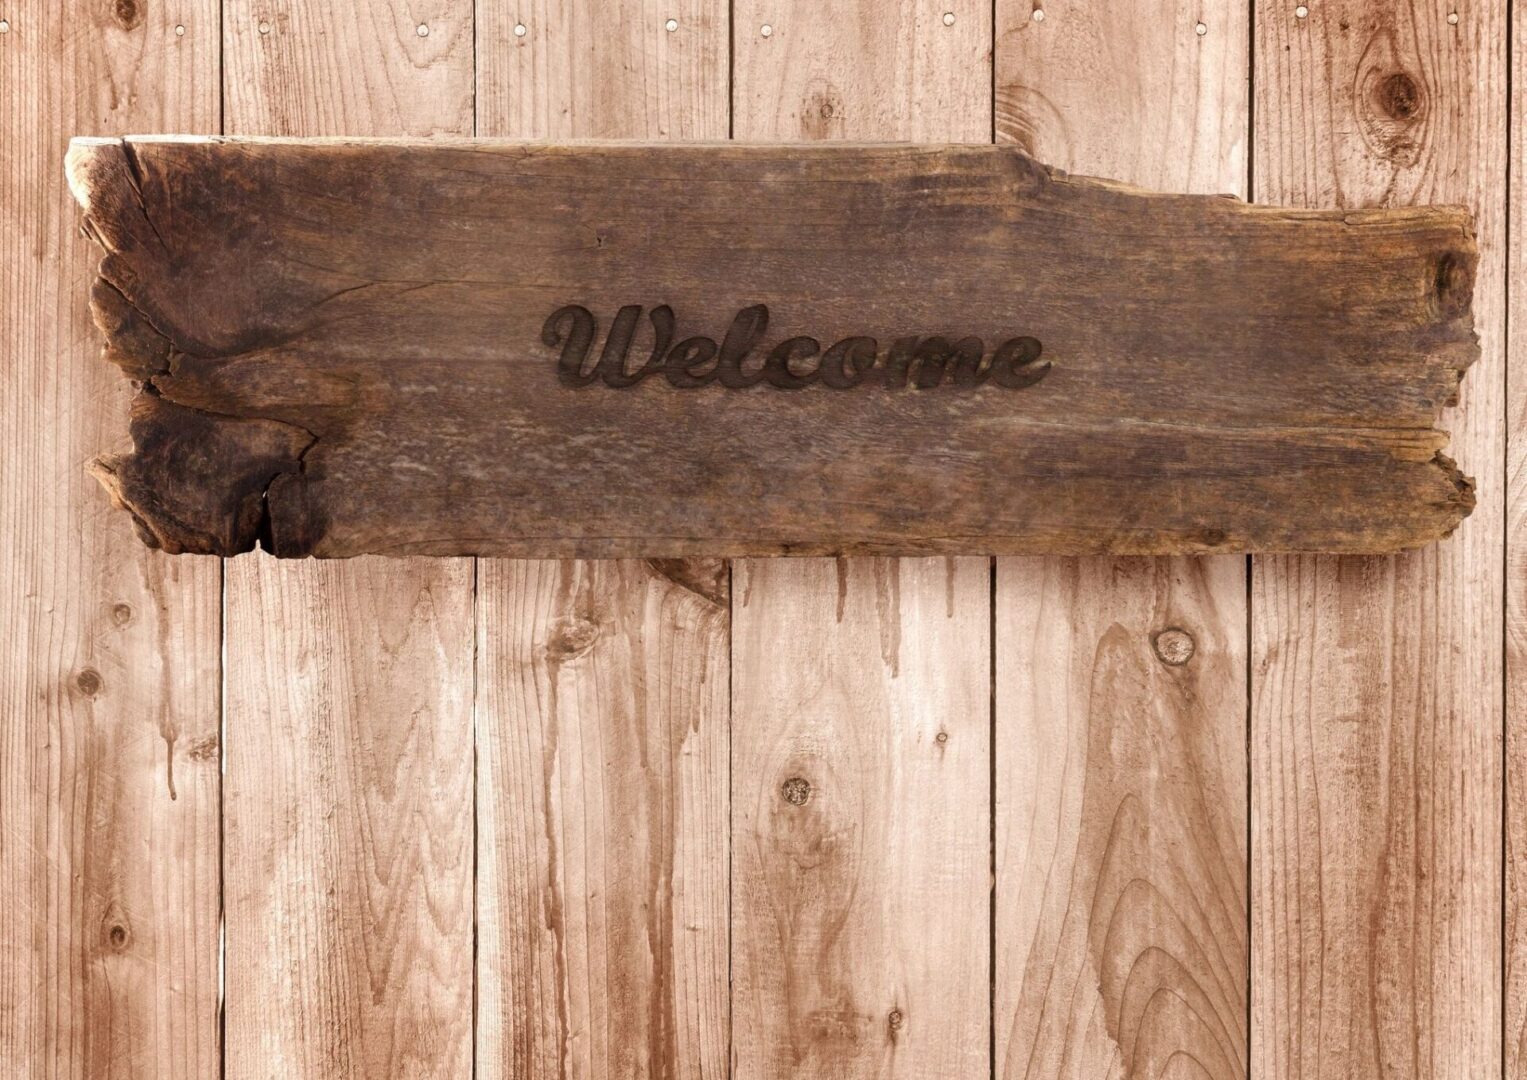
1515	1042
860	793
348	686
602	866
109	784
861	915
590	69
1376	728
603	716
1121	907
861	839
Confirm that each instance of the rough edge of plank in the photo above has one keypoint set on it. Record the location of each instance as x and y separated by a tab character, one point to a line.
180	453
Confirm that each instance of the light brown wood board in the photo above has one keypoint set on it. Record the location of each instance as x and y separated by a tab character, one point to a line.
109	742
861	758
1120	719
349	872
1376	723
603	737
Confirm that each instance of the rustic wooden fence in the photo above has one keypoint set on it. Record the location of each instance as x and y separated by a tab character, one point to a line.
1028	818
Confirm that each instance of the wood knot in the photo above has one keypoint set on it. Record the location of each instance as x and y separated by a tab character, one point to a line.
895	1020
796	791
121	614
571	638
941	738
1400	97
203	749
128	14
1174	646
118	937
89	682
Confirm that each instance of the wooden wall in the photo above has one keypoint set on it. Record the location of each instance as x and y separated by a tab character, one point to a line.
1023	818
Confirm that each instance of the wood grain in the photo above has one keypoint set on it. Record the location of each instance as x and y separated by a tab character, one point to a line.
861	857
312	67
1121	818
349	829
348	348
1376	726
1515	585
603	719
603	69
109	782
602	820
348	687
861	809
1120	753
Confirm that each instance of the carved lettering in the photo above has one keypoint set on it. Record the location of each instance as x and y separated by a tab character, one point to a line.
795	363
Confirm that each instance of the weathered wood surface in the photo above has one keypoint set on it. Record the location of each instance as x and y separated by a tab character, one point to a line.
378	347
1375	747
603	714
861	808
349	815
861	742
1120	709
1515	644
109	748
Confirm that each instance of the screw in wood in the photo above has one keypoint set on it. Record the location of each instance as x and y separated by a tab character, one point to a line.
422	30
766	30
519	29
671	25
1301	12
180	30
1200	29
1452	18
264	27
1039	15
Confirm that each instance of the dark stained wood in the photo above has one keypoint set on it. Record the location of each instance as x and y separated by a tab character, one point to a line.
398	348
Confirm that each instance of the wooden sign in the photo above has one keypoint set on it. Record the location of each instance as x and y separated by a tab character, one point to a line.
608	350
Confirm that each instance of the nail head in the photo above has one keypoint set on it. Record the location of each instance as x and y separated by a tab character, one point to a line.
948	18
422	30
1200	29
766	30
264	27
1301	11
1452	18
519	29
1039	15
671	25
180	31
5	26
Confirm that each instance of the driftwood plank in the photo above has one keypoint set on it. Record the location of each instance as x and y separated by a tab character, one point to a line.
398	347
